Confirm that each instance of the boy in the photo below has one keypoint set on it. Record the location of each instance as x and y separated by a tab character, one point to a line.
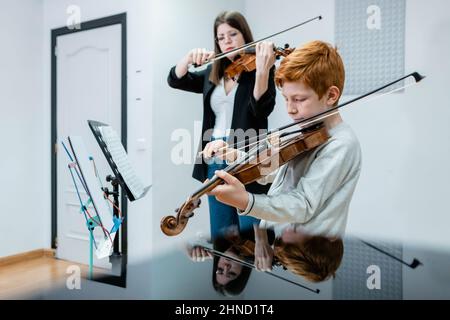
315	188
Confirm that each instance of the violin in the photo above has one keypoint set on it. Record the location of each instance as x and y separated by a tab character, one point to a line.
246	61
260	160
265	158
253	43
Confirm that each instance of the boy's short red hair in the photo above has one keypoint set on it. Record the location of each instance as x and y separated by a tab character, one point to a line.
317	64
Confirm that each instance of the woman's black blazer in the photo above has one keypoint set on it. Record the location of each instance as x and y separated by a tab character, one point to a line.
247	112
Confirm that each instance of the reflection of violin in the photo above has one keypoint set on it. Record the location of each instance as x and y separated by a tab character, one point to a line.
266	157
253	43
246	61
246	248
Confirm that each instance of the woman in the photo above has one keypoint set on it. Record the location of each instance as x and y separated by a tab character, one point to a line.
315	257
241	104
230	277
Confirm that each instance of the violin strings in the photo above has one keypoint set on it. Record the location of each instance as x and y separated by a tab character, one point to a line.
258	139
251	144
302	126
263	136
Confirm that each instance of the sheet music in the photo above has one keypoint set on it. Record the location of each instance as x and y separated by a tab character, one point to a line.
120	157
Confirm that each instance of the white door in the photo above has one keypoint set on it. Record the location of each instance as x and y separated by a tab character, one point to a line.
88	88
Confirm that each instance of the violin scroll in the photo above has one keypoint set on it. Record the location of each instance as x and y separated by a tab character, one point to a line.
171	225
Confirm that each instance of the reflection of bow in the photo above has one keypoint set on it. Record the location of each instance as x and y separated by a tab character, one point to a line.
250	265
414	264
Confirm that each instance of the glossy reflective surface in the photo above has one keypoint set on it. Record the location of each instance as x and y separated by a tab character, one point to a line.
367	270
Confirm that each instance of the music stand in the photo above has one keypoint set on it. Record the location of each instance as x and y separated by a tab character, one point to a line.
124	175
116	156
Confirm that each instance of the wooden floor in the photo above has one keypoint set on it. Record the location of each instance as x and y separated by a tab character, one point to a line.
19	280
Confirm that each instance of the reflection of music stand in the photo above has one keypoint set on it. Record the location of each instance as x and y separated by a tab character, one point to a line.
109	222
102	217
124	175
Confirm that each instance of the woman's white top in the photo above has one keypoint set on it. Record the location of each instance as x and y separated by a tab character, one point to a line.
222	106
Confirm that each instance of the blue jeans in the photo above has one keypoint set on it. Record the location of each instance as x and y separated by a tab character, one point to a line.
221	215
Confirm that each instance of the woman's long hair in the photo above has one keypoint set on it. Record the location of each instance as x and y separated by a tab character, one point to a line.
237	21
236	286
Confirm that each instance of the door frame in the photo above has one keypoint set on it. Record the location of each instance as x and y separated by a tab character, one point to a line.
55	33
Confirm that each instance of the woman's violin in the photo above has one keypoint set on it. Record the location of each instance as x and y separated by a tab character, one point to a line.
246	61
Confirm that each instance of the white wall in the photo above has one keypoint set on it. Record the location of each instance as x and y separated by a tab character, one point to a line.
139	112
403	189
178	27
265	20
404	184
159	33
23	189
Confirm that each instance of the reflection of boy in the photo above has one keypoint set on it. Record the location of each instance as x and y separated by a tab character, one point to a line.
315	188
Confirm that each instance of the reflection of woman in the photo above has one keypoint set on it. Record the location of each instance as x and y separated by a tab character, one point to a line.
229	277
314	257
228	104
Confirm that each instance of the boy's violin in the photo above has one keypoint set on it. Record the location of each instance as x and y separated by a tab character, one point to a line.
263	159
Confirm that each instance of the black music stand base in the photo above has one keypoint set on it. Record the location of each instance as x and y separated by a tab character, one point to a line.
116	256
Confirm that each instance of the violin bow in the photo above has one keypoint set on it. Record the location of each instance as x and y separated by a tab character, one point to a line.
304	123
253	43
250	265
